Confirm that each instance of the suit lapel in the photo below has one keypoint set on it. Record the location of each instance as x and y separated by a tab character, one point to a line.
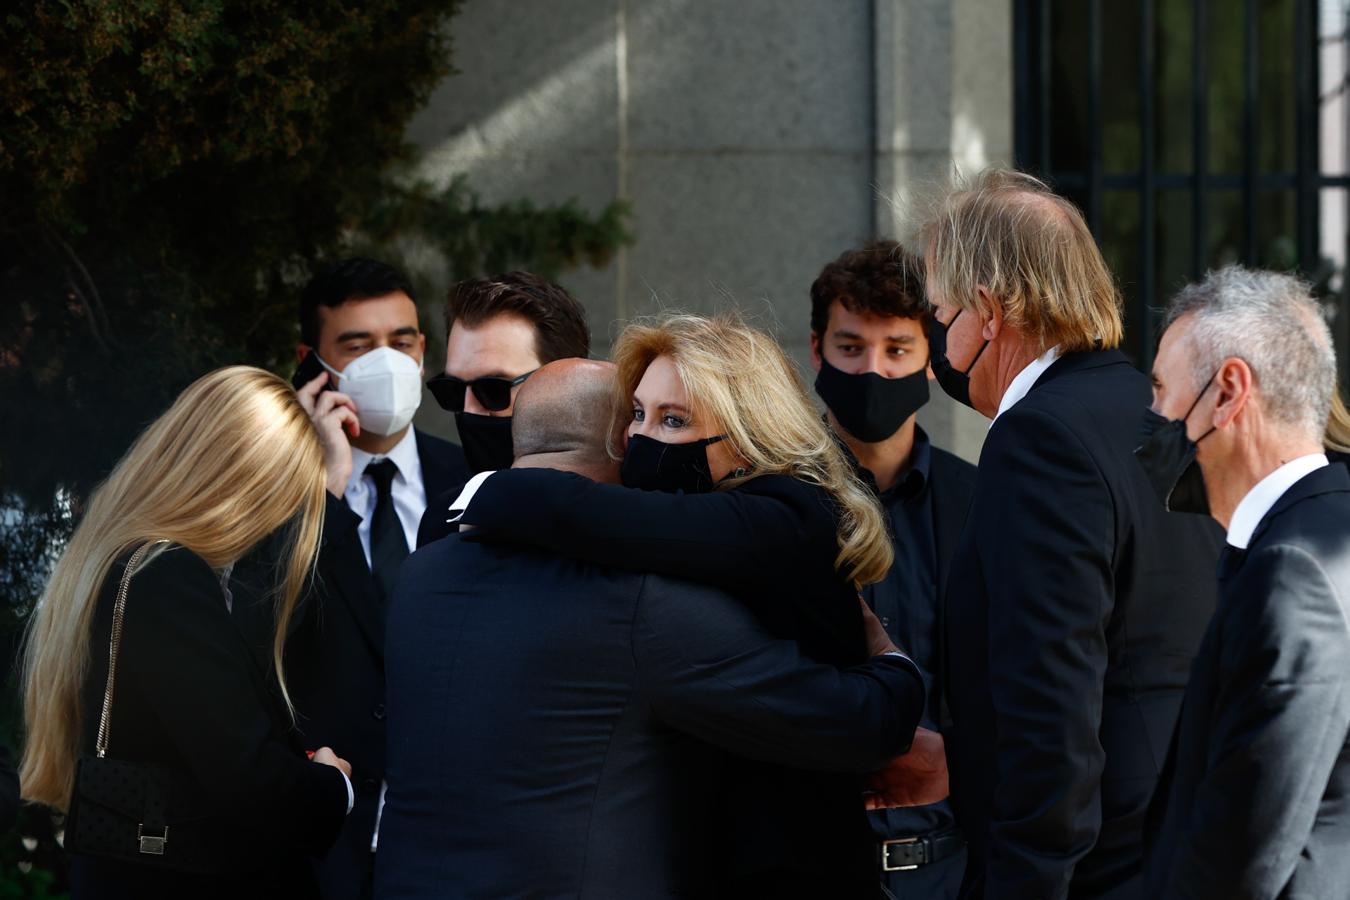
437	474
343	571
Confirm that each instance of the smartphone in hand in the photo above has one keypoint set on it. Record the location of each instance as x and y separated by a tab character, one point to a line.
309	369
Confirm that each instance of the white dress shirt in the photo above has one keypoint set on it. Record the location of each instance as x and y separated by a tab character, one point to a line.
408	493
1267	492
1022	384
410	502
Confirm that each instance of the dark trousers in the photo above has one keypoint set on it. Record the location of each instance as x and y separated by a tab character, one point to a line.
940	880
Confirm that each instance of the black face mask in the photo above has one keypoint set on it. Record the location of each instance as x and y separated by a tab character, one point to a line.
1168	458
954	382
869	406
486	441
652	465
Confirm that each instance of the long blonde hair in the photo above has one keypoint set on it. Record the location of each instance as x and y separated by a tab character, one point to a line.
1031	250
739	378
1337	436
232	460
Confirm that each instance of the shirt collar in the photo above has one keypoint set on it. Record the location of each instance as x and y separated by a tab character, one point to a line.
1025	379
1253	507
403	454
466	495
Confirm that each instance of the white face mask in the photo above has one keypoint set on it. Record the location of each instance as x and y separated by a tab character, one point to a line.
386	386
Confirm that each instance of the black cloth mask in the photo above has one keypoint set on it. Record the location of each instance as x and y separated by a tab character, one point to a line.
954	382
1168	458
869	406
486	441
652	465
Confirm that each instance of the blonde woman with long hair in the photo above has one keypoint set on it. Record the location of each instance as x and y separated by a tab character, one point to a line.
731	477
234	460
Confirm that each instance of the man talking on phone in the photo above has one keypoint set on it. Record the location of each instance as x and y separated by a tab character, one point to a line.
360	377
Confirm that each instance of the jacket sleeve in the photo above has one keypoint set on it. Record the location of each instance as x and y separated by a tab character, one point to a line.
1277	729
183	656
1045	540
710	669
724	537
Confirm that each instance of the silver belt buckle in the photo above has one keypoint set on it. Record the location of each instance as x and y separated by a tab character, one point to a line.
886	856
151	844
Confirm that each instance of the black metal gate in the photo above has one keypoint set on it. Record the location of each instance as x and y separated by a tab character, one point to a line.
1189	132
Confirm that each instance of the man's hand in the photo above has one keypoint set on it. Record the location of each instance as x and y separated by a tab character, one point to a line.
878	641
334	415
915	779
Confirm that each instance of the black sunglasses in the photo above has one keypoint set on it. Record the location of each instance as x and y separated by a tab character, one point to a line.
492	392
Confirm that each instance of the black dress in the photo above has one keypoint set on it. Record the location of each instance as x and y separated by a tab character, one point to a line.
772	541
190	697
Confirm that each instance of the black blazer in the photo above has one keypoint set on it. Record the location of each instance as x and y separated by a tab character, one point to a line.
1074	607
771	542
952	481
558	729
9	791
334	659
191	697
1254	799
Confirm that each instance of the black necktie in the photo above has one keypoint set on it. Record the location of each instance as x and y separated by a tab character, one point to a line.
1230	560
388	545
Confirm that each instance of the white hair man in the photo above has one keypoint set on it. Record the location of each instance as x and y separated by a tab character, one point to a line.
1252	800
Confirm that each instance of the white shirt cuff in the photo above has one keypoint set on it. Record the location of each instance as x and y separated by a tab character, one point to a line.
466	496
351	795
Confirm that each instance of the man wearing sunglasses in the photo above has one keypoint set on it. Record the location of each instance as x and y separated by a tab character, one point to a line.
498	332
360	378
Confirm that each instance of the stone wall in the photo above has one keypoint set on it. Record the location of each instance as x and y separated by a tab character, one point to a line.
755	139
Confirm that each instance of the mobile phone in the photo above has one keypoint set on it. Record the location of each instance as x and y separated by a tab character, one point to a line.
309	369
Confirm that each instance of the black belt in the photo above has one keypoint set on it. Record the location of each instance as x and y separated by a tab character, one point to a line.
904	854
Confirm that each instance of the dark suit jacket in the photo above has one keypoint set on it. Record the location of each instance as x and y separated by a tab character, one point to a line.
952	481
772	542
1255	801
191	697
1074	607
335	659
9	791
553	725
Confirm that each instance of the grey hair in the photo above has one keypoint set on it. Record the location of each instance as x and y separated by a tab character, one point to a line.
1272	322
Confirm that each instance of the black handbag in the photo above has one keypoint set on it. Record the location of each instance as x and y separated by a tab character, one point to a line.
139	812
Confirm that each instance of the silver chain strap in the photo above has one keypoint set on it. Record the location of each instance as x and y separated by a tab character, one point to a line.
114	642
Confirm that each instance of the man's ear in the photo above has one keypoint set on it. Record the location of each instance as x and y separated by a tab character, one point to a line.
422	351
1234	388
992	325
815	351
301	351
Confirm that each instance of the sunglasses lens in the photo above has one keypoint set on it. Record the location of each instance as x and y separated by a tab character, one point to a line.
493	393
449	393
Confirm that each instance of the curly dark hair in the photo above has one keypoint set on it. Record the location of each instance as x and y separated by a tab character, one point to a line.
558	319
881	278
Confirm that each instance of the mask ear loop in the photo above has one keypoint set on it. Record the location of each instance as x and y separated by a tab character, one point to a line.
1196	402
946	330
976	359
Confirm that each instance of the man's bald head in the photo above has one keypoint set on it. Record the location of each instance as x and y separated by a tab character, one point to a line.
562	418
